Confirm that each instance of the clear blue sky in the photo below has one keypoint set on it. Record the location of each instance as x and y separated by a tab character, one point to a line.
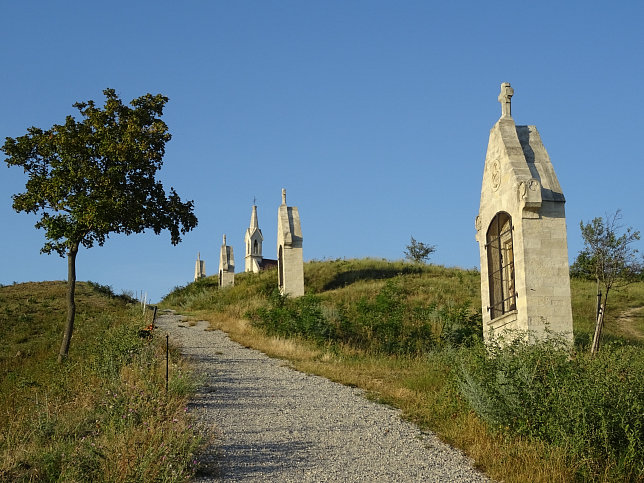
374	115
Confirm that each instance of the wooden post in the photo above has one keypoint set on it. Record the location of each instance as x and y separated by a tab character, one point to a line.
599	300
598	330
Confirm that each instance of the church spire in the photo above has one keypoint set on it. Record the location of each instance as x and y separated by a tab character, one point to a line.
253	219
253	240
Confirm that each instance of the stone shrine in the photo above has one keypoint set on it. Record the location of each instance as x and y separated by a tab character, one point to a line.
226	266
521	232
200	268
290	262
253	240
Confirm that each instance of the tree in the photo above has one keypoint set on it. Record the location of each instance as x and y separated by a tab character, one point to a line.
418	252
96	176
583	266
610	258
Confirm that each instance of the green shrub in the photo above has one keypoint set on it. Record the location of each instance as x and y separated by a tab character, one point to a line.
591	406
292	317
387	324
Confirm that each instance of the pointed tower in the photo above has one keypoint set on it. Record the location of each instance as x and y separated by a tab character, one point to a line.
253	240
290	264
226	266
200	268
521	231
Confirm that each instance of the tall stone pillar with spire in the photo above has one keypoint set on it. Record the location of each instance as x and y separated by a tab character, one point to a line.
521	232
253	240
290	262
226	266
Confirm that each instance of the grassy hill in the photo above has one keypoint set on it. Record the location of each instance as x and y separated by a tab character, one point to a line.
411	336
103	415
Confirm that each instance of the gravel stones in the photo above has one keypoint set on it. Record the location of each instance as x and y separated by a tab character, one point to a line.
272	423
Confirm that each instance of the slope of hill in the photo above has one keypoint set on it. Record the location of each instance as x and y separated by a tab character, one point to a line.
103	415
410	335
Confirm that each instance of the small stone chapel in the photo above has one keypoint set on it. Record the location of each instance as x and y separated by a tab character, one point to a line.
290	262
253	240
226	266
521	232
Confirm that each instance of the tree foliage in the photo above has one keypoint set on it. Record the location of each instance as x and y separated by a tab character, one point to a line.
610	258
418	252
92	177
583	266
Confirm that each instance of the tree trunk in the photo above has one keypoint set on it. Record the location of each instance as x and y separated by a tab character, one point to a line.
601	312
71	304
598	330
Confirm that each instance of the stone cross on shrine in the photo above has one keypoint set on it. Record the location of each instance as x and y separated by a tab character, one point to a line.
505	99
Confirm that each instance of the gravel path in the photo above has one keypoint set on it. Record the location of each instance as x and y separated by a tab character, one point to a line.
277	424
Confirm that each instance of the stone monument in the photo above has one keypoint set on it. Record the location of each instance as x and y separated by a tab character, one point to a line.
226	266
253	240
200	268
521	232
290	263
